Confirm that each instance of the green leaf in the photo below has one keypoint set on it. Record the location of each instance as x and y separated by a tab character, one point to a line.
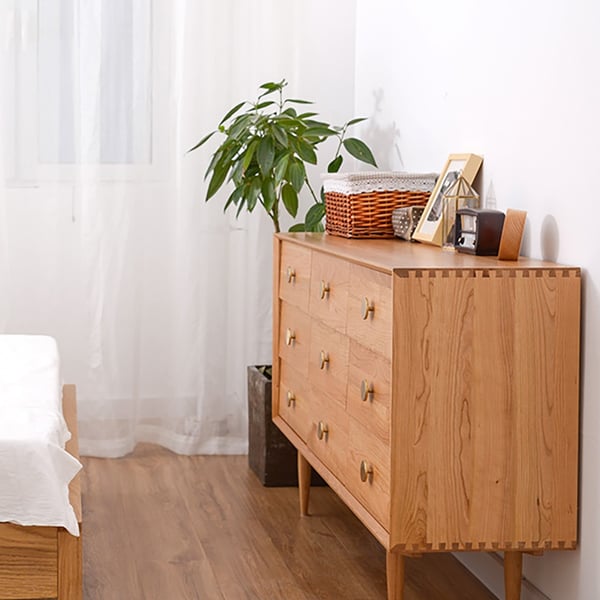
306	151
271	86
313	123
280	168
314	216
232	112
359	150
240	126
213	161
264	104
202	141
335	164
297	227
234	197
288	122
290	112
253	192
249	154
290	199
307	115
319	132
268	194
237	173
296	174
355	121
265	155
280	135
216	181
297	101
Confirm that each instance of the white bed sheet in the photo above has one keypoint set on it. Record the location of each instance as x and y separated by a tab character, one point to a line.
35	468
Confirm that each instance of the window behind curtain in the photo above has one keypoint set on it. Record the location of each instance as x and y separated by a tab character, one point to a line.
94	78
84	85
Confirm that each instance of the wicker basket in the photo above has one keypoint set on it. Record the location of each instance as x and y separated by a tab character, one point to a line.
360	205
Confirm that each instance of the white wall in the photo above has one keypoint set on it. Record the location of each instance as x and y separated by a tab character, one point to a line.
517	82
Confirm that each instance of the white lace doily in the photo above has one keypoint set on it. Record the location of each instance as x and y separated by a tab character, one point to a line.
378	181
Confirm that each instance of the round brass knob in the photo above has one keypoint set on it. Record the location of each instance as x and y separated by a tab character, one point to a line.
366	390
290	337
291	274
324	359
367	307
291	398
322	430
325	289
366	471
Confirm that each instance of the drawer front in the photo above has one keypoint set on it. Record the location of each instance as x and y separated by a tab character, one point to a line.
294	337
294	276
329	290
370	309
368	397
374	491
328	434
294	400
328	362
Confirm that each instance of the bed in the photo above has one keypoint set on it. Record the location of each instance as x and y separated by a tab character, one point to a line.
40	530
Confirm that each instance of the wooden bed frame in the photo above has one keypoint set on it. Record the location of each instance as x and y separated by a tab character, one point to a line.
45	562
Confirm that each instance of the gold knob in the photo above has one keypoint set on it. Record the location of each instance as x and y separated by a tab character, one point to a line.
291	398
325	289
322	430
367	307
366	471
324	359
366	390
291	274
290	337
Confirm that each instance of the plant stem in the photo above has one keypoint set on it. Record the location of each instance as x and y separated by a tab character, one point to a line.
275	215
317	200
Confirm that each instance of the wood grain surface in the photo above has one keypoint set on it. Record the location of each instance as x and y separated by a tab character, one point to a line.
159	525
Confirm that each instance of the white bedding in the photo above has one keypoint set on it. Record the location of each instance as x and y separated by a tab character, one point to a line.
35	469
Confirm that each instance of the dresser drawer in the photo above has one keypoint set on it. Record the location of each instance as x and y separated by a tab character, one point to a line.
369	318
294	336
368	397
367	473
294	276
328	435
294	400
329	290
328	362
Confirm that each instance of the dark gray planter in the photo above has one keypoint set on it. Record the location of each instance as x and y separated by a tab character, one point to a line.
270	455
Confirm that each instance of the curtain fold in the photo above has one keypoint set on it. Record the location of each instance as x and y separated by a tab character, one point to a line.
157	299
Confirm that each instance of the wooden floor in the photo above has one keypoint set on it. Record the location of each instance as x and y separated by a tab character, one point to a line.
168	527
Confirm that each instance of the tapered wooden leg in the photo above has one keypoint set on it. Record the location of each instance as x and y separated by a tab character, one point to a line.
304	473
513	569
394	563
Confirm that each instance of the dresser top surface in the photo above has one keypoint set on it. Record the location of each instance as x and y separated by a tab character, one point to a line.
388	255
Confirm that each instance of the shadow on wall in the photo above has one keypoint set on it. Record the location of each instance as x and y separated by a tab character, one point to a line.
550	238
383	140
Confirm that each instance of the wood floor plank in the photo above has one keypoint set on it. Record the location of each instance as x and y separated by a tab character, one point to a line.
159	525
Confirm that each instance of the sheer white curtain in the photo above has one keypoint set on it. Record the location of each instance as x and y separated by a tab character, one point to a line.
157	299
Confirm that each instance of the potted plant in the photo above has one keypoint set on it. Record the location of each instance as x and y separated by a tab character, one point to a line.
268	145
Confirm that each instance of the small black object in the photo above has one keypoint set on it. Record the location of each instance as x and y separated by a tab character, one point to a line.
478	231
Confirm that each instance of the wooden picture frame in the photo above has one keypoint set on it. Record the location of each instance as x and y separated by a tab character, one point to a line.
429	228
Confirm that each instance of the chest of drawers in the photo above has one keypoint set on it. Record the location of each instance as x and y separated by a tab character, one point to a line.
436	393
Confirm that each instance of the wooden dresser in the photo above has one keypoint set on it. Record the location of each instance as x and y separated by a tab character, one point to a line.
436	393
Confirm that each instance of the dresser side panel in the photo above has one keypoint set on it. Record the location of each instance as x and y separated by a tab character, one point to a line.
485	409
